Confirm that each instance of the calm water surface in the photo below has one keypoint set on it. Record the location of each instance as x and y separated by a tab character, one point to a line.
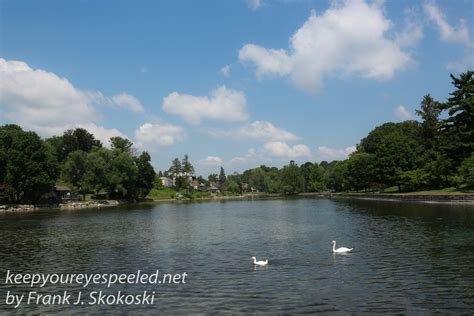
408	257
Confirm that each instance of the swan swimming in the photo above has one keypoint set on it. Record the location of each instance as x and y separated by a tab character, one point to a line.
340	250
259	263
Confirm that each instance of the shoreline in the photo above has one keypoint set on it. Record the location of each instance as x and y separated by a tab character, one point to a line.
400	197
389	197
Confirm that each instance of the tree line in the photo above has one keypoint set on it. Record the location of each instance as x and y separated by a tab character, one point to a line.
31	166
436	152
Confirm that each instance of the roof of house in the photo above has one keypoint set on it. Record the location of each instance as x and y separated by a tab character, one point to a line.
61	188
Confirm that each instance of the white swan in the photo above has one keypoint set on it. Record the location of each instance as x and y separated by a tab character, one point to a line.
259	263
340	250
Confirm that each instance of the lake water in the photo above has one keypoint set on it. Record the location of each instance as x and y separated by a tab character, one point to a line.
408	257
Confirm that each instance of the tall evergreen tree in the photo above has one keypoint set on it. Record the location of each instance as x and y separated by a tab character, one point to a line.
459	125
429	113
222	178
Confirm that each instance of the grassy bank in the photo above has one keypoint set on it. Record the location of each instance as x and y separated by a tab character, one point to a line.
168	193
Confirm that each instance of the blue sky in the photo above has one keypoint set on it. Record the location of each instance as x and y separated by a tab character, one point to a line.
231	83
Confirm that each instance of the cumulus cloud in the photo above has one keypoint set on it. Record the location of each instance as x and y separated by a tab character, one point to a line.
402	114
451	34
211	161
281	149
222	104
48	104
225	71
348	38
128	101
328	153
40	98
161	134
257	130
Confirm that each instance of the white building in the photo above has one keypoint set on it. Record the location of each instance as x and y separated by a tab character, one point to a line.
166	182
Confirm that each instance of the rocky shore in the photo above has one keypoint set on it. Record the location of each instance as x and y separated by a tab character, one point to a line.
65	205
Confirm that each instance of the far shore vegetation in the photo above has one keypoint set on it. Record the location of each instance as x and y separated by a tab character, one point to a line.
432	156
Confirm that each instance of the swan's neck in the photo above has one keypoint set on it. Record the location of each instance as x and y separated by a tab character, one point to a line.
333	246
254	260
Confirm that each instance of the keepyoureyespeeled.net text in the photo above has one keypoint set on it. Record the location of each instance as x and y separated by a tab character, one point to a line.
85	279
40	285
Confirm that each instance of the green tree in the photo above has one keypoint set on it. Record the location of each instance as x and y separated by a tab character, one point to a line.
396	147
429	113
213	177
360	170
256	179
176	172
98	167
466	170
74	169
122	175
222	179
56	147
122	144
336	176
146	175
78	139
233	187
187	167
291	179
414	179
26	164
316	178
458	127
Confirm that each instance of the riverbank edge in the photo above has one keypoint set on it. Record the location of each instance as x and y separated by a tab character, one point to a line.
425	198
396	197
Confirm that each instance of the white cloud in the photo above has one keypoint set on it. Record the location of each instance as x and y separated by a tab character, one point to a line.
281	149
254	4
39	98
268	62
258	130
162	134
402	113
128	101
48	104
447	32
328	153
211	161
225	71
223	104
348	38
412	32
450	34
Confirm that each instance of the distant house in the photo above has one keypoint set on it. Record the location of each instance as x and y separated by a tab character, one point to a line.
62	192
195	184
192	180
213	189
166	182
